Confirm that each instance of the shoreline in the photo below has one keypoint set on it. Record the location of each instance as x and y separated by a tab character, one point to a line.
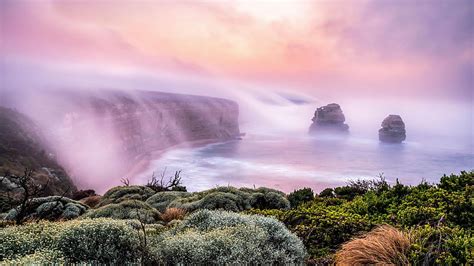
144	161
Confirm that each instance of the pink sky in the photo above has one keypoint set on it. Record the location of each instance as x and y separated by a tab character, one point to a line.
362	47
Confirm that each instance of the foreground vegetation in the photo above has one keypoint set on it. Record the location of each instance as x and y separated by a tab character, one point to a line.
365	222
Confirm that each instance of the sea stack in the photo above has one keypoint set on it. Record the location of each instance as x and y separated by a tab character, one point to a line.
393	129
329	118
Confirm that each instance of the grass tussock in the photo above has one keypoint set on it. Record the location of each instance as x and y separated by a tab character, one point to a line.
385	245
171	214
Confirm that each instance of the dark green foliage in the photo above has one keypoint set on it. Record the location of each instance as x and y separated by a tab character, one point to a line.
327	193
441	245
321	224
325	223
223	198
122	193
457	183
300	196
80	194
128	209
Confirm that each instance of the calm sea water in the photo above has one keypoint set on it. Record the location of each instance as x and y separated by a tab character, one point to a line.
293	162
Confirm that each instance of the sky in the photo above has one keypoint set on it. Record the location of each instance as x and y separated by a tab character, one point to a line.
399	49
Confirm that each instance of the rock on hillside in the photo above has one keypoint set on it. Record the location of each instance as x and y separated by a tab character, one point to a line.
22	145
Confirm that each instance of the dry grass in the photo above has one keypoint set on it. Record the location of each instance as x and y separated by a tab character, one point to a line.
385	245
91	201
171	214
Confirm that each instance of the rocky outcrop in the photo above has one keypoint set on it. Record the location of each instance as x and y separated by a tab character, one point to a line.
22	145
393	129
329	118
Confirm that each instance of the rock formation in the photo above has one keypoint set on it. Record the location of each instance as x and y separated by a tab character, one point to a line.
393	129
100	135
22	144
329	118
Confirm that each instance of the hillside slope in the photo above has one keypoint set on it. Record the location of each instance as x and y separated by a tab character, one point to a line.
22	145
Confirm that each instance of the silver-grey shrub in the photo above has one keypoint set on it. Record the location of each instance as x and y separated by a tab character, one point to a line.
129	209
221	198
161	200
101	241
93	241
220	237
123	193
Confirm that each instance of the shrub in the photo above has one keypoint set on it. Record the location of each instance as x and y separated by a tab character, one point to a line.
100	240
19	241
457	182
91	201
441	245
385	245
123	193
219	237
51	208
432	205
225	198
323	227
171	214
80	194
39	257
130	209
300	196
161	200
327	193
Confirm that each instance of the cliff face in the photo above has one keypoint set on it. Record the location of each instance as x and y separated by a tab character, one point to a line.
22	144
147	121
100	135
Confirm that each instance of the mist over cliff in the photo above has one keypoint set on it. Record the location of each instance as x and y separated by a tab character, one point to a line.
99	135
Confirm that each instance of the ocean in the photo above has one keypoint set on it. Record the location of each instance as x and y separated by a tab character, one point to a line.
287	162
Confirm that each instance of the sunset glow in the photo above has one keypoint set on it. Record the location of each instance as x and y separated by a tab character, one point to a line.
298	45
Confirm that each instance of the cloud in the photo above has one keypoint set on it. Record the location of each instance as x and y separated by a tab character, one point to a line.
397	48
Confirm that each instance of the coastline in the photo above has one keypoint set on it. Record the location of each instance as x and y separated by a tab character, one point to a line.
144	161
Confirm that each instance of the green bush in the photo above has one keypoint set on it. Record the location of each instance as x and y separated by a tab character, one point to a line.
19	241
322	227
129	209
327	193
101	241
98	240
300	196
219	237
39	257
161	200
441	246
51	208
326	222
123	193
224	198
457	182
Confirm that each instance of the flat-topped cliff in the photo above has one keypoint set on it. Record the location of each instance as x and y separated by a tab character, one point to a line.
99	135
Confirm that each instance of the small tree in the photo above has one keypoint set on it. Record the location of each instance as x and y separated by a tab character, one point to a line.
300	196
27	189
172	183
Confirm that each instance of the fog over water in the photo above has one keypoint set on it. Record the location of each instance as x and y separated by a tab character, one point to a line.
279	60
278	152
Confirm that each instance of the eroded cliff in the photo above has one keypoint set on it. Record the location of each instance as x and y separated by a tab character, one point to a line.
100	135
